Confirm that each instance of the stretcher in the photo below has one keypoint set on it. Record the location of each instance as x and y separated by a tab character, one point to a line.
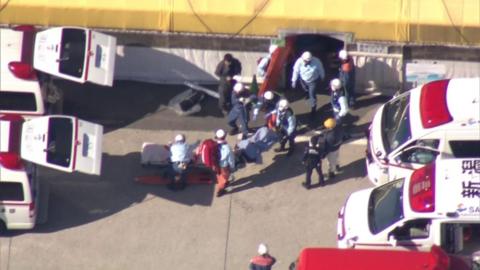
155	156
196	174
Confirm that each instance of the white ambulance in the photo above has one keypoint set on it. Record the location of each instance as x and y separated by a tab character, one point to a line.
20	91
60	142
435	121
71	53
438	205
76	54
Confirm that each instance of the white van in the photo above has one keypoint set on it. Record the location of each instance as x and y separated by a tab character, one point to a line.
438	205
60	142
20	91
76	54
71	53
19	196
435	121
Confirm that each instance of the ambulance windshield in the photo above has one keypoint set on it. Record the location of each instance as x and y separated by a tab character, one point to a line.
396	123
385	206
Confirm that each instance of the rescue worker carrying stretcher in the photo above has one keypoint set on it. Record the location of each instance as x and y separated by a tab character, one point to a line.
180	158
226	162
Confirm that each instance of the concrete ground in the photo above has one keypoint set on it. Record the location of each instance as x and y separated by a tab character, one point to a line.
110	222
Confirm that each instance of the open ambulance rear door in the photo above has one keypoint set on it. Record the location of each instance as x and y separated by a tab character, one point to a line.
76	54
64	143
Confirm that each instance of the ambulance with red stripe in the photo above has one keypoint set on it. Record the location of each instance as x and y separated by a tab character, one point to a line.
438	204
436	121
60	142
29	58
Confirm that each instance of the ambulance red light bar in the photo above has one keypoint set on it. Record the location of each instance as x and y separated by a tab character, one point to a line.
422	189
24	28
10	161
22	70
433	104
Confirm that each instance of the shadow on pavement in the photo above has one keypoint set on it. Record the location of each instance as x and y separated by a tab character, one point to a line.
353	170
281	168
137	105
77	199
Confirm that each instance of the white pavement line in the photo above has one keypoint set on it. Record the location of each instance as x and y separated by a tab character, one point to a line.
361	141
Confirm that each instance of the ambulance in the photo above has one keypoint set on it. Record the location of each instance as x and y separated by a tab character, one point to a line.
29	58
439	204
76	54
436	121
20	91
60	142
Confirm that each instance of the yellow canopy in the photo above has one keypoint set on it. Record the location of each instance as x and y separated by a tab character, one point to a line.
415	21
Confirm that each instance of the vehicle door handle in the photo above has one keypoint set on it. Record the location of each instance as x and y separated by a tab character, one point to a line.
11	211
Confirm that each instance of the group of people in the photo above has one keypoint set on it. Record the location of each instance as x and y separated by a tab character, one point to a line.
280	122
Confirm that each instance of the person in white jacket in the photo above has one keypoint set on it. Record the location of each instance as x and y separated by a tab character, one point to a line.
309	70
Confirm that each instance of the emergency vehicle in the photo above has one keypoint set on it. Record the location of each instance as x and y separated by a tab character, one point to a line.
362	259
439	204
436	121
20	91
60	142
30	57
76	54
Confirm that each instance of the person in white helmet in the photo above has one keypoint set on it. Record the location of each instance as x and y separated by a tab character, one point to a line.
239	112
270	100
180	157
226	161
226	69
309	69
263	261
265	61
338	100
267	103
286	126
347	75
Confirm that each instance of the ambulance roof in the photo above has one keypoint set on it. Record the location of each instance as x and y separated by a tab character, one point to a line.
13	50
447	104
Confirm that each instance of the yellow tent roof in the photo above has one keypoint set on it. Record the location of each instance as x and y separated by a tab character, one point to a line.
415	21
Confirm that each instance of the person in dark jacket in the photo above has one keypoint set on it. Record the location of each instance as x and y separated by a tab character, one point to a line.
226	70
315	151
263	261
333	137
